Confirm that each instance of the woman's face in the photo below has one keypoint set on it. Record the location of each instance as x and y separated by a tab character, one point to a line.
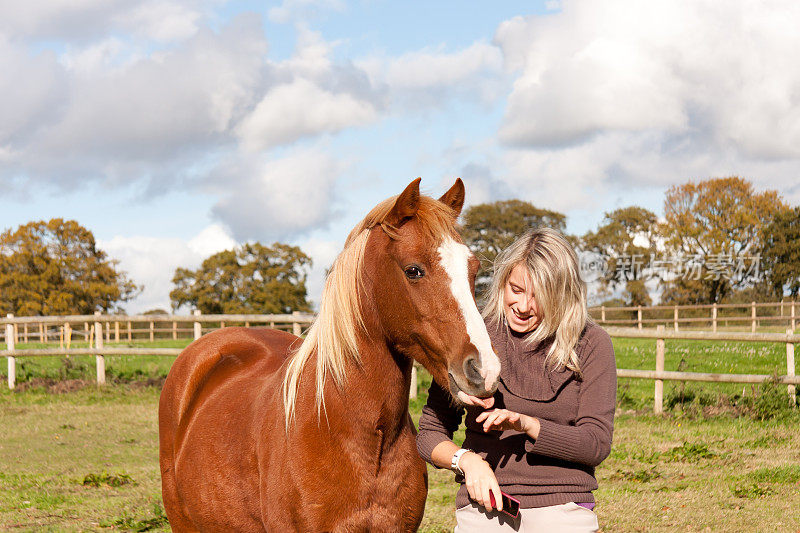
522	313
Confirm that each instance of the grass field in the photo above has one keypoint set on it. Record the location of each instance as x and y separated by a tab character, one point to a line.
88	459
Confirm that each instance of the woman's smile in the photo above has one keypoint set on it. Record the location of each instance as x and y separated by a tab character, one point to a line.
521	309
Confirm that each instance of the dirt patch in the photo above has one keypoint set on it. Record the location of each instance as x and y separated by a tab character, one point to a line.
141	384
54	385
60	386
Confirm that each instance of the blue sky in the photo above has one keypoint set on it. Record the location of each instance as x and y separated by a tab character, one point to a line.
176	128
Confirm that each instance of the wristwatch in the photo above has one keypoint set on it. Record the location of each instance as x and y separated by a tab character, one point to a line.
454	461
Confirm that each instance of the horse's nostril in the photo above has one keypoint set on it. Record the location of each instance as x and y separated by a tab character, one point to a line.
472	370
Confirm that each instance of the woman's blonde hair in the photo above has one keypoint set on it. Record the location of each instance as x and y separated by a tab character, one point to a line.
557	286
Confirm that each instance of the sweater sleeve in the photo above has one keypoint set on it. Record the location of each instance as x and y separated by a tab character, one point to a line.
439	420
589	440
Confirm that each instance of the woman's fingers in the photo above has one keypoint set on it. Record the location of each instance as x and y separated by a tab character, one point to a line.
498	497
499	419
485	498
468	399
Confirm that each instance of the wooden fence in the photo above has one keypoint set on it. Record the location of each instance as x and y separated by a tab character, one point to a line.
659	374
778	314
97	330
296	322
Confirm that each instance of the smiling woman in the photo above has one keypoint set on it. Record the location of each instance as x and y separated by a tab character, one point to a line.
549	424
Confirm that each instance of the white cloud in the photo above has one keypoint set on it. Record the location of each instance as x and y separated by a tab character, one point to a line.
30	97
278	198
151	261
148	120
110	112
86	20
622	95
290	10
726	70
432	76
300	109
425	69
210	240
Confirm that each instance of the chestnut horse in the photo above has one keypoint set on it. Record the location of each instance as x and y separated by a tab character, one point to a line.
260	430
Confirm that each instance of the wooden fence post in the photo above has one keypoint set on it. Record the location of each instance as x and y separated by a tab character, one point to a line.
639	316
152	331
658	399
790	368
108	332
603	313
67	335
116	331
25	332
296	329
675	317
198	329
130	333
174	330
412	394
100	360
752	317
10	345
42	338
714	318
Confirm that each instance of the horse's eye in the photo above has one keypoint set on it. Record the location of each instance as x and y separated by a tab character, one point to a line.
413	272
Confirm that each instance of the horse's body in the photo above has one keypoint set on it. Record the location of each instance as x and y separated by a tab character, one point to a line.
235	458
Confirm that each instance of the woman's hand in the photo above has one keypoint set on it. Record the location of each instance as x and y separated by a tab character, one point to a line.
480	481
502	419
468	399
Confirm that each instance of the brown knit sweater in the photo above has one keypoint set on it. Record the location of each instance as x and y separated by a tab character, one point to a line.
576	415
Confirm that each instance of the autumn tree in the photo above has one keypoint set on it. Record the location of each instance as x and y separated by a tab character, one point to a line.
56	268
627	241
717	229
490	228
781	252
252	278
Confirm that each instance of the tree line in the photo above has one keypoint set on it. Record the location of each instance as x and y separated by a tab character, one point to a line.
719	241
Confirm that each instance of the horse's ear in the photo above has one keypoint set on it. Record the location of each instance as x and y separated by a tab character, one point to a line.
454	198
405	206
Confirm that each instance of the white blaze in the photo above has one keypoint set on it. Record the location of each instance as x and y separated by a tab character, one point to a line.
454	260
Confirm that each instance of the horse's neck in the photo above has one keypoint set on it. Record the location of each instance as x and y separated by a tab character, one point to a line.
379	385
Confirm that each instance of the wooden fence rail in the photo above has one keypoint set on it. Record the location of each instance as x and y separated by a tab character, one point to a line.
297	321
786	313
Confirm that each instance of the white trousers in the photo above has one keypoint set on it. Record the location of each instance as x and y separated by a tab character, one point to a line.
565	518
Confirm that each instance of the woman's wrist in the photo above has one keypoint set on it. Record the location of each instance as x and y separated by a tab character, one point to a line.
532	427
468	459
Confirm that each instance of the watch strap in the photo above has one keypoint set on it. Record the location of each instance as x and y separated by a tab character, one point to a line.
456	457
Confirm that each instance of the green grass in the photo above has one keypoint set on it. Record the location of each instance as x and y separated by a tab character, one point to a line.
87	460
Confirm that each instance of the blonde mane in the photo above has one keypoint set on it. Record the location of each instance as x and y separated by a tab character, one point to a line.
333	336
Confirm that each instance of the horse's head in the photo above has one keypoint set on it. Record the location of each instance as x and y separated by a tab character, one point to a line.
420	279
